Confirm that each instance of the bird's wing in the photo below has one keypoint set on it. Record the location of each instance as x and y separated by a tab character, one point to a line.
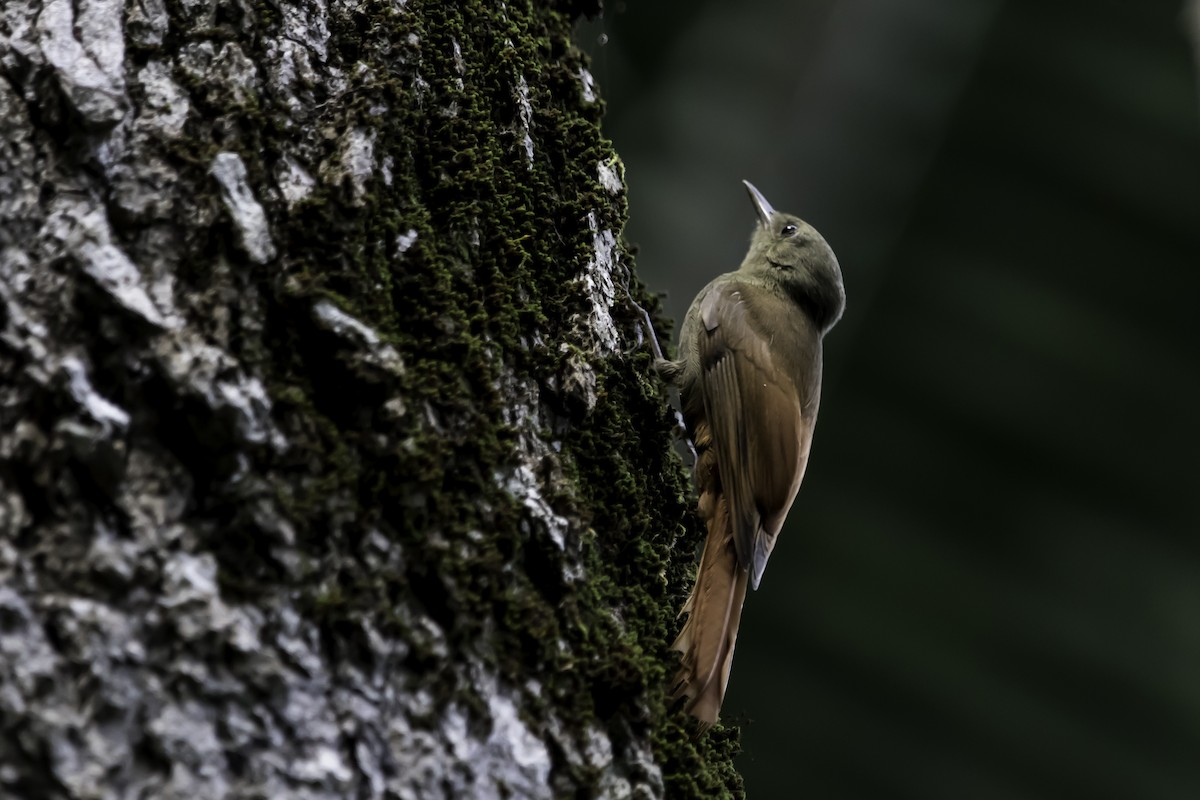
758	388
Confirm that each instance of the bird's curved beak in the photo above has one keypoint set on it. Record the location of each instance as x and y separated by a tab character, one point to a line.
760	204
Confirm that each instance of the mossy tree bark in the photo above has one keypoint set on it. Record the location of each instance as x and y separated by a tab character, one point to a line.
330	464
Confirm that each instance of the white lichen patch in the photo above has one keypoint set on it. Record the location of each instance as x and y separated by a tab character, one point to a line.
244	209
354	163
405	240
522	484
420	88
322	764
189	579
588	84
113	270
338	321
98	407
511	762
385	170
249	395
375	351
294	182
597	281
90	72
460	66
511	739
166	106
290	57
525	110
609	176
84	231
101	32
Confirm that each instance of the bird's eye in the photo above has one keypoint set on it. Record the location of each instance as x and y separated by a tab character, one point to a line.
788	230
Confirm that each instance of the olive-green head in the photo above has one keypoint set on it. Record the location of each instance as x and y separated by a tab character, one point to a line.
790	253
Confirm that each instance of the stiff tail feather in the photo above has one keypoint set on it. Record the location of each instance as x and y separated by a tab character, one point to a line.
714	611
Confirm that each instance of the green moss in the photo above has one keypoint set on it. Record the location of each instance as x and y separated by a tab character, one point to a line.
499	243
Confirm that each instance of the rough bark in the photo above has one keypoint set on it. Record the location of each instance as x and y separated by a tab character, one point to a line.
330	465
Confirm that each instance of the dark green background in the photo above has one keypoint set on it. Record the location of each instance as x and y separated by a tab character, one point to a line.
989	586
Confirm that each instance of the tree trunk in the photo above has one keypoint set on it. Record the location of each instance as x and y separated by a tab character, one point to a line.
331	464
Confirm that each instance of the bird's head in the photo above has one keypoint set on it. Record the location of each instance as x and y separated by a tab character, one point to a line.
789	252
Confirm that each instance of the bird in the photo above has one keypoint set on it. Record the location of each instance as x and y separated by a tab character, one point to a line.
749	378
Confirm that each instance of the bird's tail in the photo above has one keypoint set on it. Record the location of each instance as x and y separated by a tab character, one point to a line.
714	607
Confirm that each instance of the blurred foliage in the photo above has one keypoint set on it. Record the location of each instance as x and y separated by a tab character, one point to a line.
990	584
